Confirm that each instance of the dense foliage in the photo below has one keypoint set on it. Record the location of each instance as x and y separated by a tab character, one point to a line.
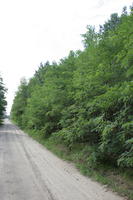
2	100
88	96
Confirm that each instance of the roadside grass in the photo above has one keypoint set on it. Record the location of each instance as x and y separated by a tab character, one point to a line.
118	180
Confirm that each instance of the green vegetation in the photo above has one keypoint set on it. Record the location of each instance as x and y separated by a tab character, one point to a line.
118	179
86	100
2	100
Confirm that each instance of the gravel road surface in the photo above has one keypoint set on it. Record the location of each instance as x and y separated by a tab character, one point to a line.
28	171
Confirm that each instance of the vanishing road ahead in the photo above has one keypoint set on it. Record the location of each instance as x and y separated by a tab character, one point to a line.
30	172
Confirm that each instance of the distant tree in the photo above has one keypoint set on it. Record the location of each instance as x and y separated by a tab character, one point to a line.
3	102
20	102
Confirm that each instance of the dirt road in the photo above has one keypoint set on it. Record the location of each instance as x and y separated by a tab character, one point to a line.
30	172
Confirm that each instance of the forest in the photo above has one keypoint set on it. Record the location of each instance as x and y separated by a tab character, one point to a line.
87	97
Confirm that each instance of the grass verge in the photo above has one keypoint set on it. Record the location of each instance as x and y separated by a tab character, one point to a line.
118	180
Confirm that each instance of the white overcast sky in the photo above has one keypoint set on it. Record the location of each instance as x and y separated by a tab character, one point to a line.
34	31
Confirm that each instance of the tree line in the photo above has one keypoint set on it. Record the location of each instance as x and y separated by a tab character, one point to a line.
87	97
2	100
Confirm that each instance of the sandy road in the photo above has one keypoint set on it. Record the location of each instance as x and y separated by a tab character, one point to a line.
30	172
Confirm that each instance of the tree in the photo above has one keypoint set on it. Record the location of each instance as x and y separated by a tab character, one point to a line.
20	102
3	102
88	96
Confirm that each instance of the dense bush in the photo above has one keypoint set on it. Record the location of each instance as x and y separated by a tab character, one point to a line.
88	96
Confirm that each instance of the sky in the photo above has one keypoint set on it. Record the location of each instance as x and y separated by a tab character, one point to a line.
34	31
